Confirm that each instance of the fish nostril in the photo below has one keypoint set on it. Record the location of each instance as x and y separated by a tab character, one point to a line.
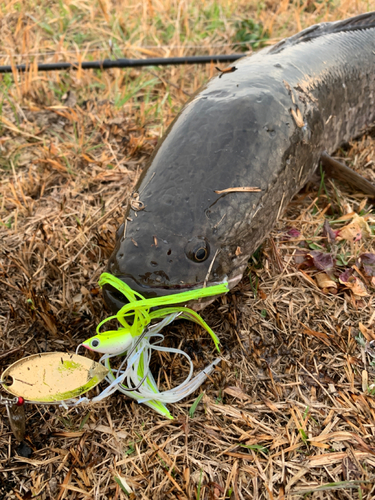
153	263
169	252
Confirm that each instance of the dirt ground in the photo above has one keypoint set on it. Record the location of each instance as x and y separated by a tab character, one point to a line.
289	412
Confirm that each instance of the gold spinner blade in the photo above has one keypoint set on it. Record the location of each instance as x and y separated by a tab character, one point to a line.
51	377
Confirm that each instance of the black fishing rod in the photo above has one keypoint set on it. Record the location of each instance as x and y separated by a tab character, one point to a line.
123	63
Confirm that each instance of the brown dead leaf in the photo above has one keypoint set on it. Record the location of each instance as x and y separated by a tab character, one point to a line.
262	294
356	286
236	392
356	230
320	335
326	283
365	332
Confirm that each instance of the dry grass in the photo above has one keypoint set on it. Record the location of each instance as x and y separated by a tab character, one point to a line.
290	408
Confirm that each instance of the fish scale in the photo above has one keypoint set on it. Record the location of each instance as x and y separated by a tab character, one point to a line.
264	125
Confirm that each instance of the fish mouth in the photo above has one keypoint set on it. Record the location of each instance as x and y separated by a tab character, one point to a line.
115	300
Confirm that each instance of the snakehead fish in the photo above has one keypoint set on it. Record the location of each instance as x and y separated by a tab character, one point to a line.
264	125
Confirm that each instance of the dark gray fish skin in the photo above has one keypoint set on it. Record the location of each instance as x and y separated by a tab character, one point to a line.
264	125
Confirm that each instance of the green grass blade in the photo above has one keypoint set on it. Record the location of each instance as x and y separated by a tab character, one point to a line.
195	404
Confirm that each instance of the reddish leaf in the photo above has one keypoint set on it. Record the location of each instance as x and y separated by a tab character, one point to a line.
328	232
344	277
322	261
293	233
368	263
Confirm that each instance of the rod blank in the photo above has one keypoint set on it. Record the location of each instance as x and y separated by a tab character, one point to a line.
124	63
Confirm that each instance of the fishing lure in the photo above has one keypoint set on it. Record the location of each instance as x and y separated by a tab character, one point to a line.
138	308
61	378
133	339
46	378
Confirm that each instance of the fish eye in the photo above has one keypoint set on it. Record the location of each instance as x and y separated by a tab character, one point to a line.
201	254
95	343
197	249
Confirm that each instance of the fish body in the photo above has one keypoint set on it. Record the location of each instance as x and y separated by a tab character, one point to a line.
265	126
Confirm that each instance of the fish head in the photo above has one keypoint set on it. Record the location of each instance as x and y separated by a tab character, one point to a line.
156	259
154	262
